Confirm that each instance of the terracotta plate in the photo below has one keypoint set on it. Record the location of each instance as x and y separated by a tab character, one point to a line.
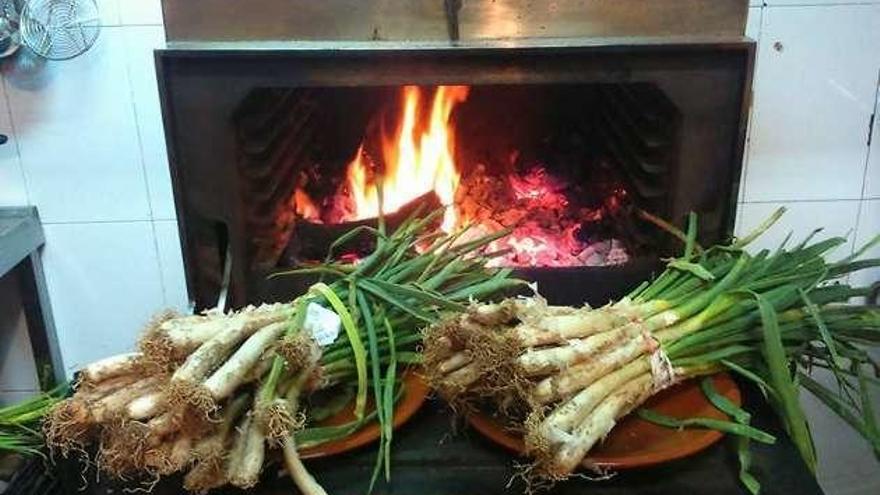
635	442
415	391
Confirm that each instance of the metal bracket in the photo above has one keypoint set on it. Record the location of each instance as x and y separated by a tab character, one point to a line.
223	296
452	7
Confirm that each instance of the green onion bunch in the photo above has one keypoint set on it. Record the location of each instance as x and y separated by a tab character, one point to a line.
413	277
210	395
784	315
771	316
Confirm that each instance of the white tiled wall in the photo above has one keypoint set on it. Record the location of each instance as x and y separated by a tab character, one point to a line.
12	184
111	271
86	146
815	90
60	159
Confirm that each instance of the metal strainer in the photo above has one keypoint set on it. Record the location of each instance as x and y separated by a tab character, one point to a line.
60	29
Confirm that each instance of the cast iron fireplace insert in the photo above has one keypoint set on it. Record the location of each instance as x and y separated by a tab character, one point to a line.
263	143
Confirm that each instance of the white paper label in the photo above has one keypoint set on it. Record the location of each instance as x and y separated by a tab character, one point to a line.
322	323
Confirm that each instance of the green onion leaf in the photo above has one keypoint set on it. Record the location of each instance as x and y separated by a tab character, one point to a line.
390	379
777	363
375	374
360	353
402	305
694	269
707	423
419	294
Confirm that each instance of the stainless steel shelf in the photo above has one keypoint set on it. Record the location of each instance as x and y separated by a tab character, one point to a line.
21	237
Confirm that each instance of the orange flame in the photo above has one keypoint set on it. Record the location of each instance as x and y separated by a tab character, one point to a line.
416	162
304	205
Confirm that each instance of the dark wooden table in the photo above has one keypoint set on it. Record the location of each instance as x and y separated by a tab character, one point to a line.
429	459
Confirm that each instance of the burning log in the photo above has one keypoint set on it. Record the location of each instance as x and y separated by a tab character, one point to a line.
310	240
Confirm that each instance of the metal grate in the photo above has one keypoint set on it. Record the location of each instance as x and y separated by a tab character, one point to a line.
60	29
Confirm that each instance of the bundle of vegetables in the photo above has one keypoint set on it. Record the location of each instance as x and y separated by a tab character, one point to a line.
564	376
208	394
20	423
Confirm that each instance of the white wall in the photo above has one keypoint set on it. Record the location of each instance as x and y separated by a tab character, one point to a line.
815	90
87	148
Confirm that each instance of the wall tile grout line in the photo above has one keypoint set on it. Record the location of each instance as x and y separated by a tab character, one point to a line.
159	265
126	32
124	25
863	201
15	138
855	230
140	141
92	222
820	4
871	137
137	127
774	201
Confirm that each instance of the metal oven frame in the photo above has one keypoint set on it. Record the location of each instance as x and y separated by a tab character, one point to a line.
200	85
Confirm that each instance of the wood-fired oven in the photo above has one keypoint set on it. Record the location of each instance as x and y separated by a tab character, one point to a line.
571	143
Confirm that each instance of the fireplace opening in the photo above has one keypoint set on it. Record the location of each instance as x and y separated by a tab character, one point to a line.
282	150
564	168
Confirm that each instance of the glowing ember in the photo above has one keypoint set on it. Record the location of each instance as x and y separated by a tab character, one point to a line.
546	227
537	185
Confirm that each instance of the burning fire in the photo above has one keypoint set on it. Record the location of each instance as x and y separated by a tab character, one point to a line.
418	159
304	205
